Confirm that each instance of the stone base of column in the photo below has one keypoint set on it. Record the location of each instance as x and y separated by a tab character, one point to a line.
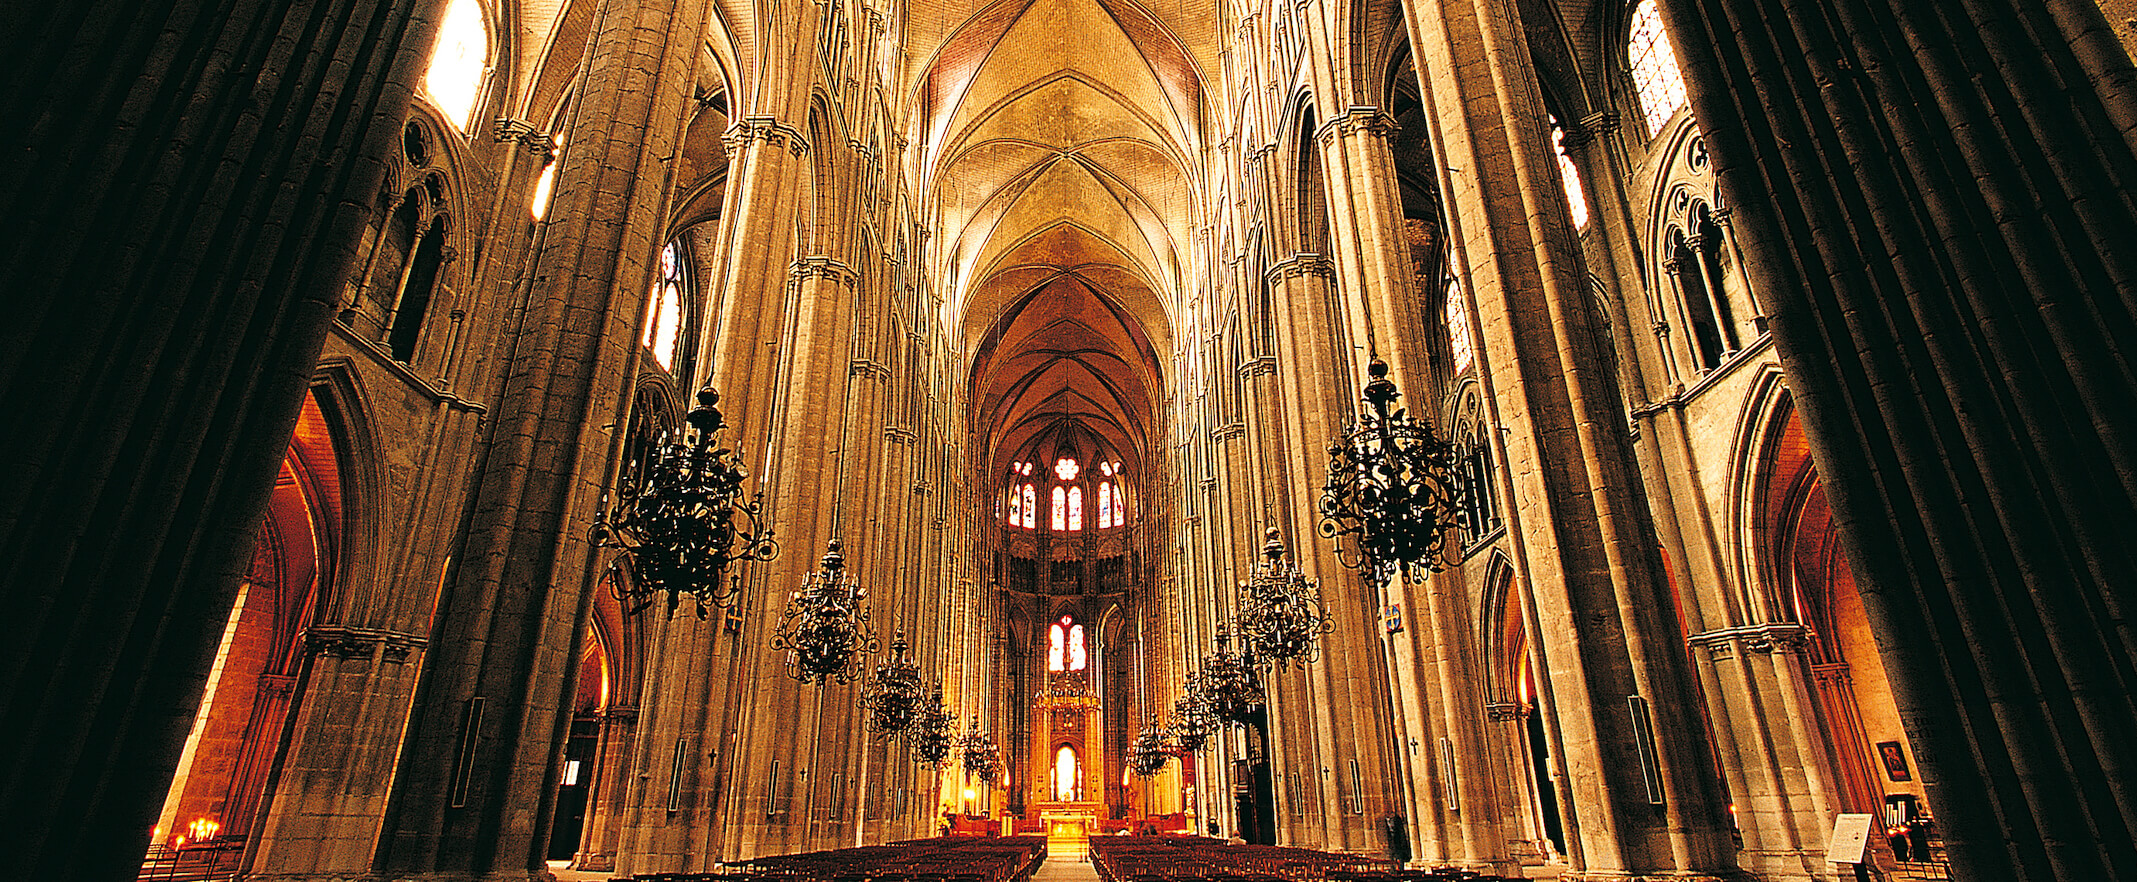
594	861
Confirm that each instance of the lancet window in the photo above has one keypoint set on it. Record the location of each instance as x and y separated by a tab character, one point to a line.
664	322
1654	67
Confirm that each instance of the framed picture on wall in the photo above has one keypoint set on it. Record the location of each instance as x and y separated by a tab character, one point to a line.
1895	760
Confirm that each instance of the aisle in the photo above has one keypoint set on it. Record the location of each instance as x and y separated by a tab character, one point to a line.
1070	869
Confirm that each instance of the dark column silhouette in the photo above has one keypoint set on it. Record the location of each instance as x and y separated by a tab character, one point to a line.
186	184
1937	199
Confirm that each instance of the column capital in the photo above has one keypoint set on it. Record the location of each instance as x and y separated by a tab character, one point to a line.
767	129
1358	119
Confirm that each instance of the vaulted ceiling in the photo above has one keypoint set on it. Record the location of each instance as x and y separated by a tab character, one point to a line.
1059	145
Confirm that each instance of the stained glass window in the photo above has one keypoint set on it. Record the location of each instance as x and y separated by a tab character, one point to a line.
1060	519
1066	469
1031	508
1016	507
1105	504
1654	67
1457	319
665	321
1056	647
1075	508
1078	656
455	74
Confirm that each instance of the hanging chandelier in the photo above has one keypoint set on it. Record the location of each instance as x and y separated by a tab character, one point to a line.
982	759
825	626
1148	752
892	695
1193	722
1227	682
684	521
930	732
1391	496
1281	618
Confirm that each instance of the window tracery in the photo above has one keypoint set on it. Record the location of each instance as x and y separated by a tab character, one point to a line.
1655	76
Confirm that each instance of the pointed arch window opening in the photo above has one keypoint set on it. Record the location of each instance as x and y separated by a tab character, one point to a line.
664	322
1031	507
1075	509
1059	521
1056	646
453	80
1655	77
1105	504
1457	320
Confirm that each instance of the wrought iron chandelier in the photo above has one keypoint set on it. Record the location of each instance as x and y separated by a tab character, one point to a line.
982	759
1148	752
1227	682
825	626
930	732
1282	617
1193	722
685	520
1391	489
892	694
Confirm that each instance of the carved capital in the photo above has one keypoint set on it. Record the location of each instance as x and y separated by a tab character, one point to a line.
766	129
821	267
342	641
1260	367
1358	119
1507	711
1304	263
509	129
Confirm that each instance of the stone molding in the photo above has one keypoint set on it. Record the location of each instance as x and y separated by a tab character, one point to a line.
1303	263
1258	367
1358	119
767	129
344	641
869	369
900	435
1228	432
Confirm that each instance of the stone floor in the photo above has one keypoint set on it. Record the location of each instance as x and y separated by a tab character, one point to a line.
1064	869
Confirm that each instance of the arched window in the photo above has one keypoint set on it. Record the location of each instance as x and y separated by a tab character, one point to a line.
1056	646
1060	519
1016	507
1696	294
456	62
1457	319
406	327
1569	176
1075	509
664	322
1480	509
1031	508
1078	656
1105	504
1654	67
1120	503
1065	788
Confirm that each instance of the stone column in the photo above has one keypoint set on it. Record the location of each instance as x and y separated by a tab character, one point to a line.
478	775
187	189
1640	775
1459	804
1935	203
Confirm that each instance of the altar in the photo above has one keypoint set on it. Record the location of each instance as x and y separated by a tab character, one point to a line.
1068	826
